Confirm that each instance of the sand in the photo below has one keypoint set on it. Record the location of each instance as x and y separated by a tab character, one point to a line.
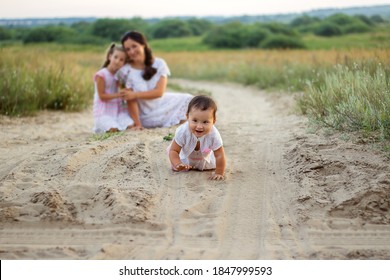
289	192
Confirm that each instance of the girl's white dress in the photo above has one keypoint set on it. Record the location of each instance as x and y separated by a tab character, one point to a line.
204	158
164	111
111	113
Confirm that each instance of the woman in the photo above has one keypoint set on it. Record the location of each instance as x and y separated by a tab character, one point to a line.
145	77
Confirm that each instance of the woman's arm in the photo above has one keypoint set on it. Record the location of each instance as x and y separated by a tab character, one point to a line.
158	91
101	88
220	164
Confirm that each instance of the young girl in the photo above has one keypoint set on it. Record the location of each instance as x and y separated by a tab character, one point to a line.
108	112
197	143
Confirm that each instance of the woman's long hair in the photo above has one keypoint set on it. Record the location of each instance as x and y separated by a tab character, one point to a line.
141	39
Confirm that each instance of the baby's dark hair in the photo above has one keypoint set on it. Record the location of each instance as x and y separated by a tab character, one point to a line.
113	47
202	102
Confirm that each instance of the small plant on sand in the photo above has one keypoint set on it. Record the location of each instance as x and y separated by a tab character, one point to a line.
105	136
168	137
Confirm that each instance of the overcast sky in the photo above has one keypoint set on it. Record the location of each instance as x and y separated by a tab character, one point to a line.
162	8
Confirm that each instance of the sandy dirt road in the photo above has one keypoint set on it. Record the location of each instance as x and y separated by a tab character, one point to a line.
288	193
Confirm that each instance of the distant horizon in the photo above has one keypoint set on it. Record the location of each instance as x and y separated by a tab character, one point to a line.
46	9
202	16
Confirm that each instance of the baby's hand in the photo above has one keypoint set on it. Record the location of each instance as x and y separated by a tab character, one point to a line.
182	167
216	176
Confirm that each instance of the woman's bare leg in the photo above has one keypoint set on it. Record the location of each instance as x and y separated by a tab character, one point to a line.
132	107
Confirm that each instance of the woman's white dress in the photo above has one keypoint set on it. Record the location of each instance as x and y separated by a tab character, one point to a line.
164	111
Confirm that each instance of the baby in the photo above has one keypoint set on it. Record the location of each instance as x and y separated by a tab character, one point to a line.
197	143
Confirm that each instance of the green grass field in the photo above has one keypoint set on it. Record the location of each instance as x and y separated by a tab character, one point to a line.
380	39
371	40
189	44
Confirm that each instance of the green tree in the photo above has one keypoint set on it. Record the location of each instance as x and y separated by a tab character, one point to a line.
328	29
358	27
48	34
230	35
82	27
113	29
304	21
254	35
365	19
279	28
280	41
199	26
20	33
171	28
5	34
377	19
341	19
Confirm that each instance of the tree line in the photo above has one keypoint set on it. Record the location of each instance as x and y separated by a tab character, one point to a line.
228	35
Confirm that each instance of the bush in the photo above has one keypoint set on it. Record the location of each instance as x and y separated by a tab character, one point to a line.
82	27
230	35
303	21
282	42
365	19
198	26
19	33
328	29
341	19
279	28
254	35
356	28
113	29
377	19
5	34
172	28
48	34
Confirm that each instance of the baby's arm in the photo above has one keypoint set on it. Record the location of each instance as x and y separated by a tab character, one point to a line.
220	165
174	158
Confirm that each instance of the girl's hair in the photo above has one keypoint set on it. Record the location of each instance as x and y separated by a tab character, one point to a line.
110	51
202	102
141	39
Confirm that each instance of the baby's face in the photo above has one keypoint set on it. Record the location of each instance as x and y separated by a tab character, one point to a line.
200	122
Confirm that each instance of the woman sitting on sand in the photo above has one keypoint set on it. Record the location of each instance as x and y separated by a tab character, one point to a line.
145	78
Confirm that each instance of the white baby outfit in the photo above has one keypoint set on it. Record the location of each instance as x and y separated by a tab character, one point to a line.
163	111
204	158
